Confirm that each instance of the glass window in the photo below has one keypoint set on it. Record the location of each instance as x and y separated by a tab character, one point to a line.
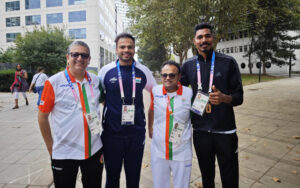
231	36
236	49
12	6
246	34
54	18
53	3
231	50
32	4
11	37
76	2
33	20
101	56
13	21
77	16
243	65
227	50
241	48
241	34
245	48
77	33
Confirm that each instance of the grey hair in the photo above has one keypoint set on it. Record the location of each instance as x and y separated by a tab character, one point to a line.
78	43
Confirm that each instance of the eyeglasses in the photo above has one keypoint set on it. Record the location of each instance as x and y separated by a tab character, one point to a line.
76	55
171	75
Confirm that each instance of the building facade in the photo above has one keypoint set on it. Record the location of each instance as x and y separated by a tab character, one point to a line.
237	45
92	21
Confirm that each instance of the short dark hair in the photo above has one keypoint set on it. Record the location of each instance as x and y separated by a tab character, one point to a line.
39	69
171	63
203	26
78	43
124	35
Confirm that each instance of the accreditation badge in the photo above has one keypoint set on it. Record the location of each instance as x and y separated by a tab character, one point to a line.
94	123
199	103
176	133
128	114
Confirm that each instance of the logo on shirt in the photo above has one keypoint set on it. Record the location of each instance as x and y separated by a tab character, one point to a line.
138	80
42	102
113	80
159	96
64	85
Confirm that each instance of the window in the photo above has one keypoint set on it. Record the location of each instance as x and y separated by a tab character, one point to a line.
245	34
53	3
33	20
101	56
268	65
245	48
13	21
77	33
231	36
54	18
11	37
258	65
76	2
12	6
32	4
227	50
77	16
223	50
241	48
236	50
231	50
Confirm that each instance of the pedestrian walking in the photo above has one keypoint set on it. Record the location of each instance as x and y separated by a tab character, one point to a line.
37	83
19	85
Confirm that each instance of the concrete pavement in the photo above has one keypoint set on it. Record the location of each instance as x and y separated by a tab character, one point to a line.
268	128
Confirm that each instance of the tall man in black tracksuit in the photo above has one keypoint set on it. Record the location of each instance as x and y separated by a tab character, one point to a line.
217	79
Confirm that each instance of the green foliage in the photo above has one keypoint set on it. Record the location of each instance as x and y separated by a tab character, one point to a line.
7	56
170	22
45	47
268	23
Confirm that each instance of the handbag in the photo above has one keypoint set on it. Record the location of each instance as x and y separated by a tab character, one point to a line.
33	85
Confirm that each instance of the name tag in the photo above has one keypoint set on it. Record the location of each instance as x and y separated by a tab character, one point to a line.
128	114
199	103
94	123
176	133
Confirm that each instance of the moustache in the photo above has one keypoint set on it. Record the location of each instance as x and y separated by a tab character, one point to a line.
205	43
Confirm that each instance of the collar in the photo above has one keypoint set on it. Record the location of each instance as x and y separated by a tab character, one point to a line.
178	92
209	55
73	79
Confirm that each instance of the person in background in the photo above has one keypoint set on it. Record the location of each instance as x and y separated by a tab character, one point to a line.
171	146
19	85
38	82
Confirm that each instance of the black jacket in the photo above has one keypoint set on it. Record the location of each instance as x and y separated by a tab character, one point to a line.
227	79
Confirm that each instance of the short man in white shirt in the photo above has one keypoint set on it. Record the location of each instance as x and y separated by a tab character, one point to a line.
170	129
71	97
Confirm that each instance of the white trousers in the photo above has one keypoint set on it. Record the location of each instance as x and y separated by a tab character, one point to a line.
161	172
16	94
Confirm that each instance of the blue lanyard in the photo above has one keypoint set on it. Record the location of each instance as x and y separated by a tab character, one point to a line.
71	85
211	77
121	81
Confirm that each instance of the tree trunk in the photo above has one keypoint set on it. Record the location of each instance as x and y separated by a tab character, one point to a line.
249	64
264	68
181	56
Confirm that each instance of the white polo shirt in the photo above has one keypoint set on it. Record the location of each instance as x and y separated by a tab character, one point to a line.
164	122
71	134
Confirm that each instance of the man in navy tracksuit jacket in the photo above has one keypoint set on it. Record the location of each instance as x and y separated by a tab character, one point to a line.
123	143
215	131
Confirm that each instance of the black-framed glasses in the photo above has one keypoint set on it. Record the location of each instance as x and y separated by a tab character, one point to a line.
171	75
76	55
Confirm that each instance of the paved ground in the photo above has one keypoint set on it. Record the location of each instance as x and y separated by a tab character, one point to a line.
268	129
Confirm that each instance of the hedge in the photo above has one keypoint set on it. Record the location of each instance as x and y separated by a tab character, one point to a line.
7	78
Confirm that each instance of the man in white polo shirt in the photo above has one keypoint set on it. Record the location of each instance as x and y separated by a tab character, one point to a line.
73	141
171	146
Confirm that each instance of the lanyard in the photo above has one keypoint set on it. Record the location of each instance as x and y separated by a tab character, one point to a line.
211	77
71	85
121	82
168	103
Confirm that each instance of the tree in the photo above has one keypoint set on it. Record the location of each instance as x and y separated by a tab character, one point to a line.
151	55
268	23
171	22
7	56
45	47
